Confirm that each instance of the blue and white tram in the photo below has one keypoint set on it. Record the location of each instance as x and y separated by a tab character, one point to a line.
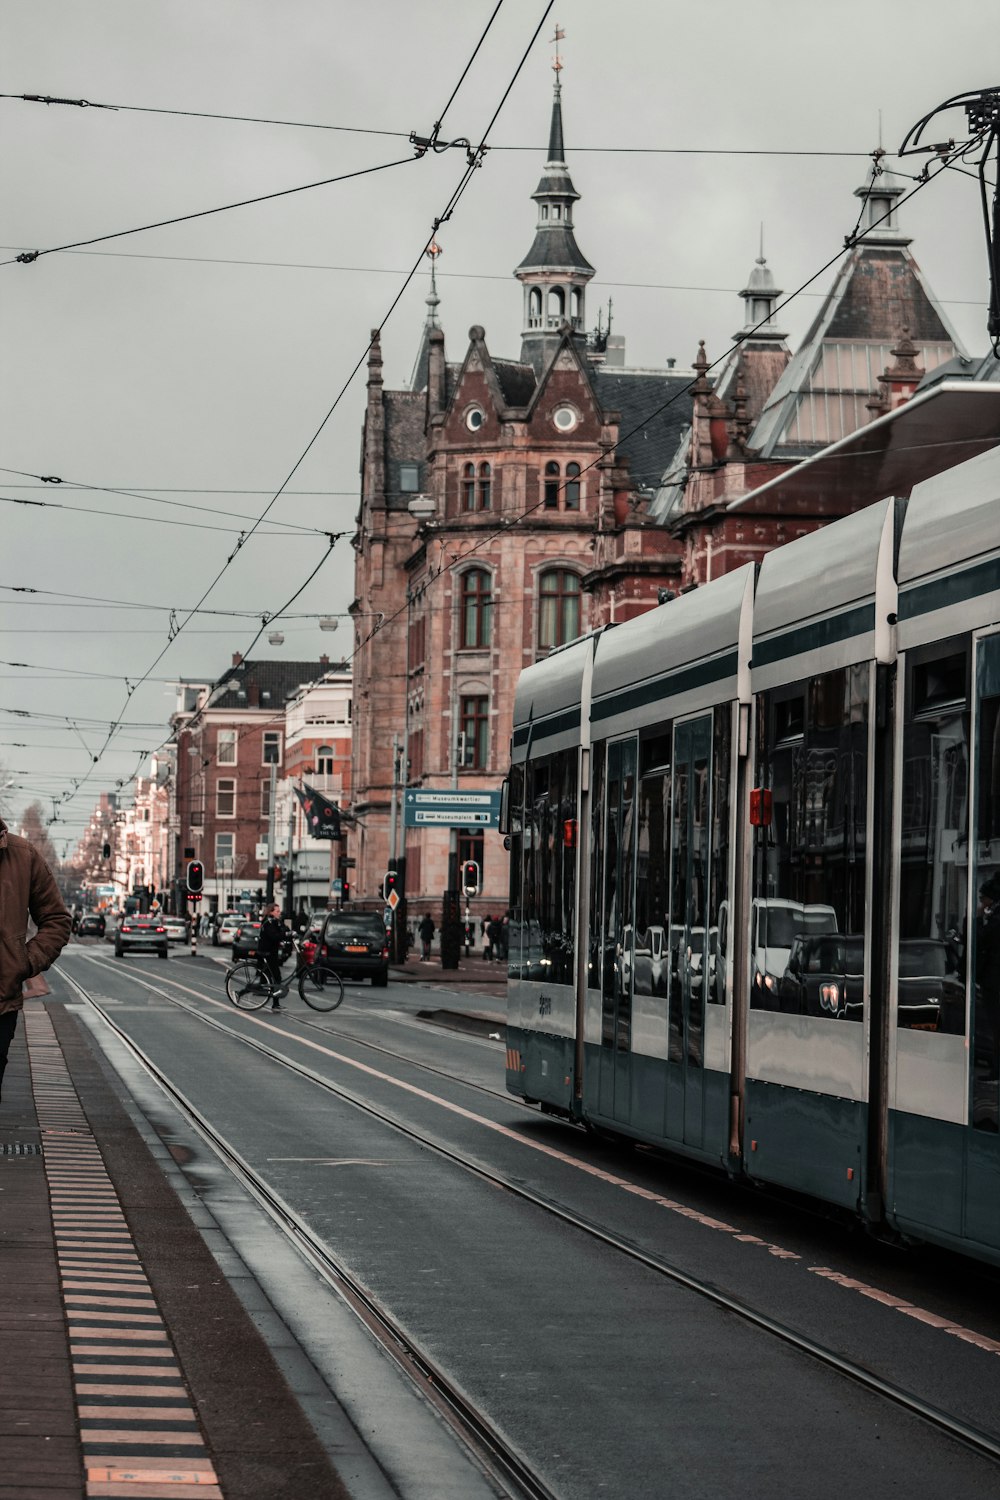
749	833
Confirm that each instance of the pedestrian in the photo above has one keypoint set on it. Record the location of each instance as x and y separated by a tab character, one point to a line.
426	930
274	936
486	928
27	890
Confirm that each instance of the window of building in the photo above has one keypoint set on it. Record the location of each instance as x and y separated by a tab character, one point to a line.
485	486
565	418
571	494
225	845
265	798
475	731
476	608
551	485
225	747
470	846
271	747
324	760
468	486
534	308
545	210
225	798
409	478
557	210
474	418
556	305
558	608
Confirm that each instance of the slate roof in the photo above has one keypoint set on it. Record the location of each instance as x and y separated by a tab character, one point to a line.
655	408
277	681
554	248
517	381
404	443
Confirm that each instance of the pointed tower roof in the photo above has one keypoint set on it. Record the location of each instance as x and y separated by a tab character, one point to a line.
823	393
554	273
418	379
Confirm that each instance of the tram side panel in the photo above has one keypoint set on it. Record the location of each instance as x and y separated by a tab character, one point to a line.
821	627
944	1044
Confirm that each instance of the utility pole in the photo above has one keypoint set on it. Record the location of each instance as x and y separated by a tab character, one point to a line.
290	873
269	893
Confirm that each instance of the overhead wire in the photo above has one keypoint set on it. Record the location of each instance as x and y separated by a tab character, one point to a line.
473	161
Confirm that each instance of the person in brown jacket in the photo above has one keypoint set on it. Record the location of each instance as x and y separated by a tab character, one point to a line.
27	889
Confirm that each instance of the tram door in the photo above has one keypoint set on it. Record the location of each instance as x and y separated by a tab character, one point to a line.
618	935
689	976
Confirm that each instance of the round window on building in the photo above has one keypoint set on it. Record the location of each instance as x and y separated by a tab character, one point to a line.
474	418
565	418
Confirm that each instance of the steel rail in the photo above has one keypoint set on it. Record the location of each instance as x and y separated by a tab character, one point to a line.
494	1453
984	1443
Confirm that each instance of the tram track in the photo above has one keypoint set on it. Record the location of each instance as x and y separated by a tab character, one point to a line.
983	1443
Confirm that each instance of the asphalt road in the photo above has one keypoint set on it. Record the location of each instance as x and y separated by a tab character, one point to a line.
610	1379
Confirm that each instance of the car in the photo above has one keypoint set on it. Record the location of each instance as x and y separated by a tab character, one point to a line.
177	930
357	945
92	924
220	918
227	929
825	976
245	939
139	934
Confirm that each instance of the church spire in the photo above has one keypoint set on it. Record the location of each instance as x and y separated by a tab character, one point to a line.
554	273
418	379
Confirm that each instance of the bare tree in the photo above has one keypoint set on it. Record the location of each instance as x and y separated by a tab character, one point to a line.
34	830
7	784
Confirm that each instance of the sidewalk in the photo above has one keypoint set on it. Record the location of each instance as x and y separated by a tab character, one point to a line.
473	970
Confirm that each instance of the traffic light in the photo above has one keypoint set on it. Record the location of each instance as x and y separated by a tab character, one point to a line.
195	877
345	890
390	883
470	877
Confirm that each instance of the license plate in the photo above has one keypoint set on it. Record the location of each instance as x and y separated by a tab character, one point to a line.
356	948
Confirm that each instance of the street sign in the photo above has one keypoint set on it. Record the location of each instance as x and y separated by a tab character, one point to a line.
336	888
451	809
392	900
261	853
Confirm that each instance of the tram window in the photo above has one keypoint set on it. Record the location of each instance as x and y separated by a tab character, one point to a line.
652	870
547	952
716	957
515	831
810	865
654	753
596	948
934	850
986	942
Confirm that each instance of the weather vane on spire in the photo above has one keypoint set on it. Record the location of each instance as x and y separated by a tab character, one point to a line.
557	63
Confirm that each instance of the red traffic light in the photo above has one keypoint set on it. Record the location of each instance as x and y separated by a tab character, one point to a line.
195	876
470	877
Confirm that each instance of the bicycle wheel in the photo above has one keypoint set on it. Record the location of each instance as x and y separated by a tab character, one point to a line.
246	986
321	987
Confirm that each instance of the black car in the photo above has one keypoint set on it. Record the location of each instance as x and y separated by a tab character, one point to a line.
245	940
91	925
357	945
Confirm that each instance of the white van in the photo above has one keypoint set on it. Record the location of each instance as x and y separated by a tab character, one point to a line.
776	923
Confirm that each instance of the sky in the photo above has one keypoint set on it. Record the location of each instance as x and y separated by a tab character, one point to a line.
208	365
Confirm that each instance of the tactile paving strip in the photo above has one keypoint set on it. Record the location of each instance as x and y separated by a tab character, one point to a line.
141	1439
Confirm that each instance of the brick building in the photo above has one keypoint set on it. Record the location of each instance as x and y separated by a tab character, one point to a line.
228	736
484	489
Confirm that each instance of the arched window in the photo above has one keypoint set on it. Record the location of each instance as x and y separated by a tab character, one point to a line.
551	486
571	494
324	760
558	608
485	486
556	305
577	307
534	308
545	210
468	486
476	608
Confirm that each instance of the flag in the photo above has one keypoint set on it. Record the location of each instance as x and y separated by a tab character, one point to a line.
322	815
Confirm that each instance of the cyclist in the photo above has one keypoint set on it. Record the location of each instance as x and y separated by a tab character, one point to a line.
272	945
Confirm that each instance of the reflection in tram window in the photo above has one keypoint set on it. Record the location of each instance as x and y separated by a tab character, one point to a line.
986	960
934	852
716	956
547	946
810	864
515	795
652	870
596	936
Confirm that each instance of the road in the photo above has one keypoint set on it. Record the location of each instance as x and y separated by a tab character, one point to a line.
609	1377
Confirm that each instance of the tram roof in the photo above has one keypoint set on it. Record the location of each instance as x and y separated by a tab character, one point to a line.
933	431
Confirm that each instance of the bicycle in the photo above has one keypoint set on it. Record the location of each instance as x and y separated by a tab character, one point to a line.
249	986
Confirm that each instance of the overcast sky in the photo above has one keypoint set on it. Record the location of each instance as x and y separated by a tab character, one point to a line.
195	363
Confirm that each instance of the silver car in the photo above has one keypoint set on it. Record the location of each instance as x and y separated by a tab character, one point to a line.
138	934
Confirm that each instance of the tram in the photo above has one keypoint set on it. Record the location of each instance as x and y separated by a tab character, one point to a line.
755	837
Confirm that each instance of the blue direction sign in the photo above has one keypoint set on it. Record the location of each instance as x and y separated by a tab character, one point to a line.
451	809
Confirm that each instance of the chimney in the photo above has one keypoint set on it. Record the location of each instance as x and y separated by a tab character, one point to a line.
324	662
237	659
